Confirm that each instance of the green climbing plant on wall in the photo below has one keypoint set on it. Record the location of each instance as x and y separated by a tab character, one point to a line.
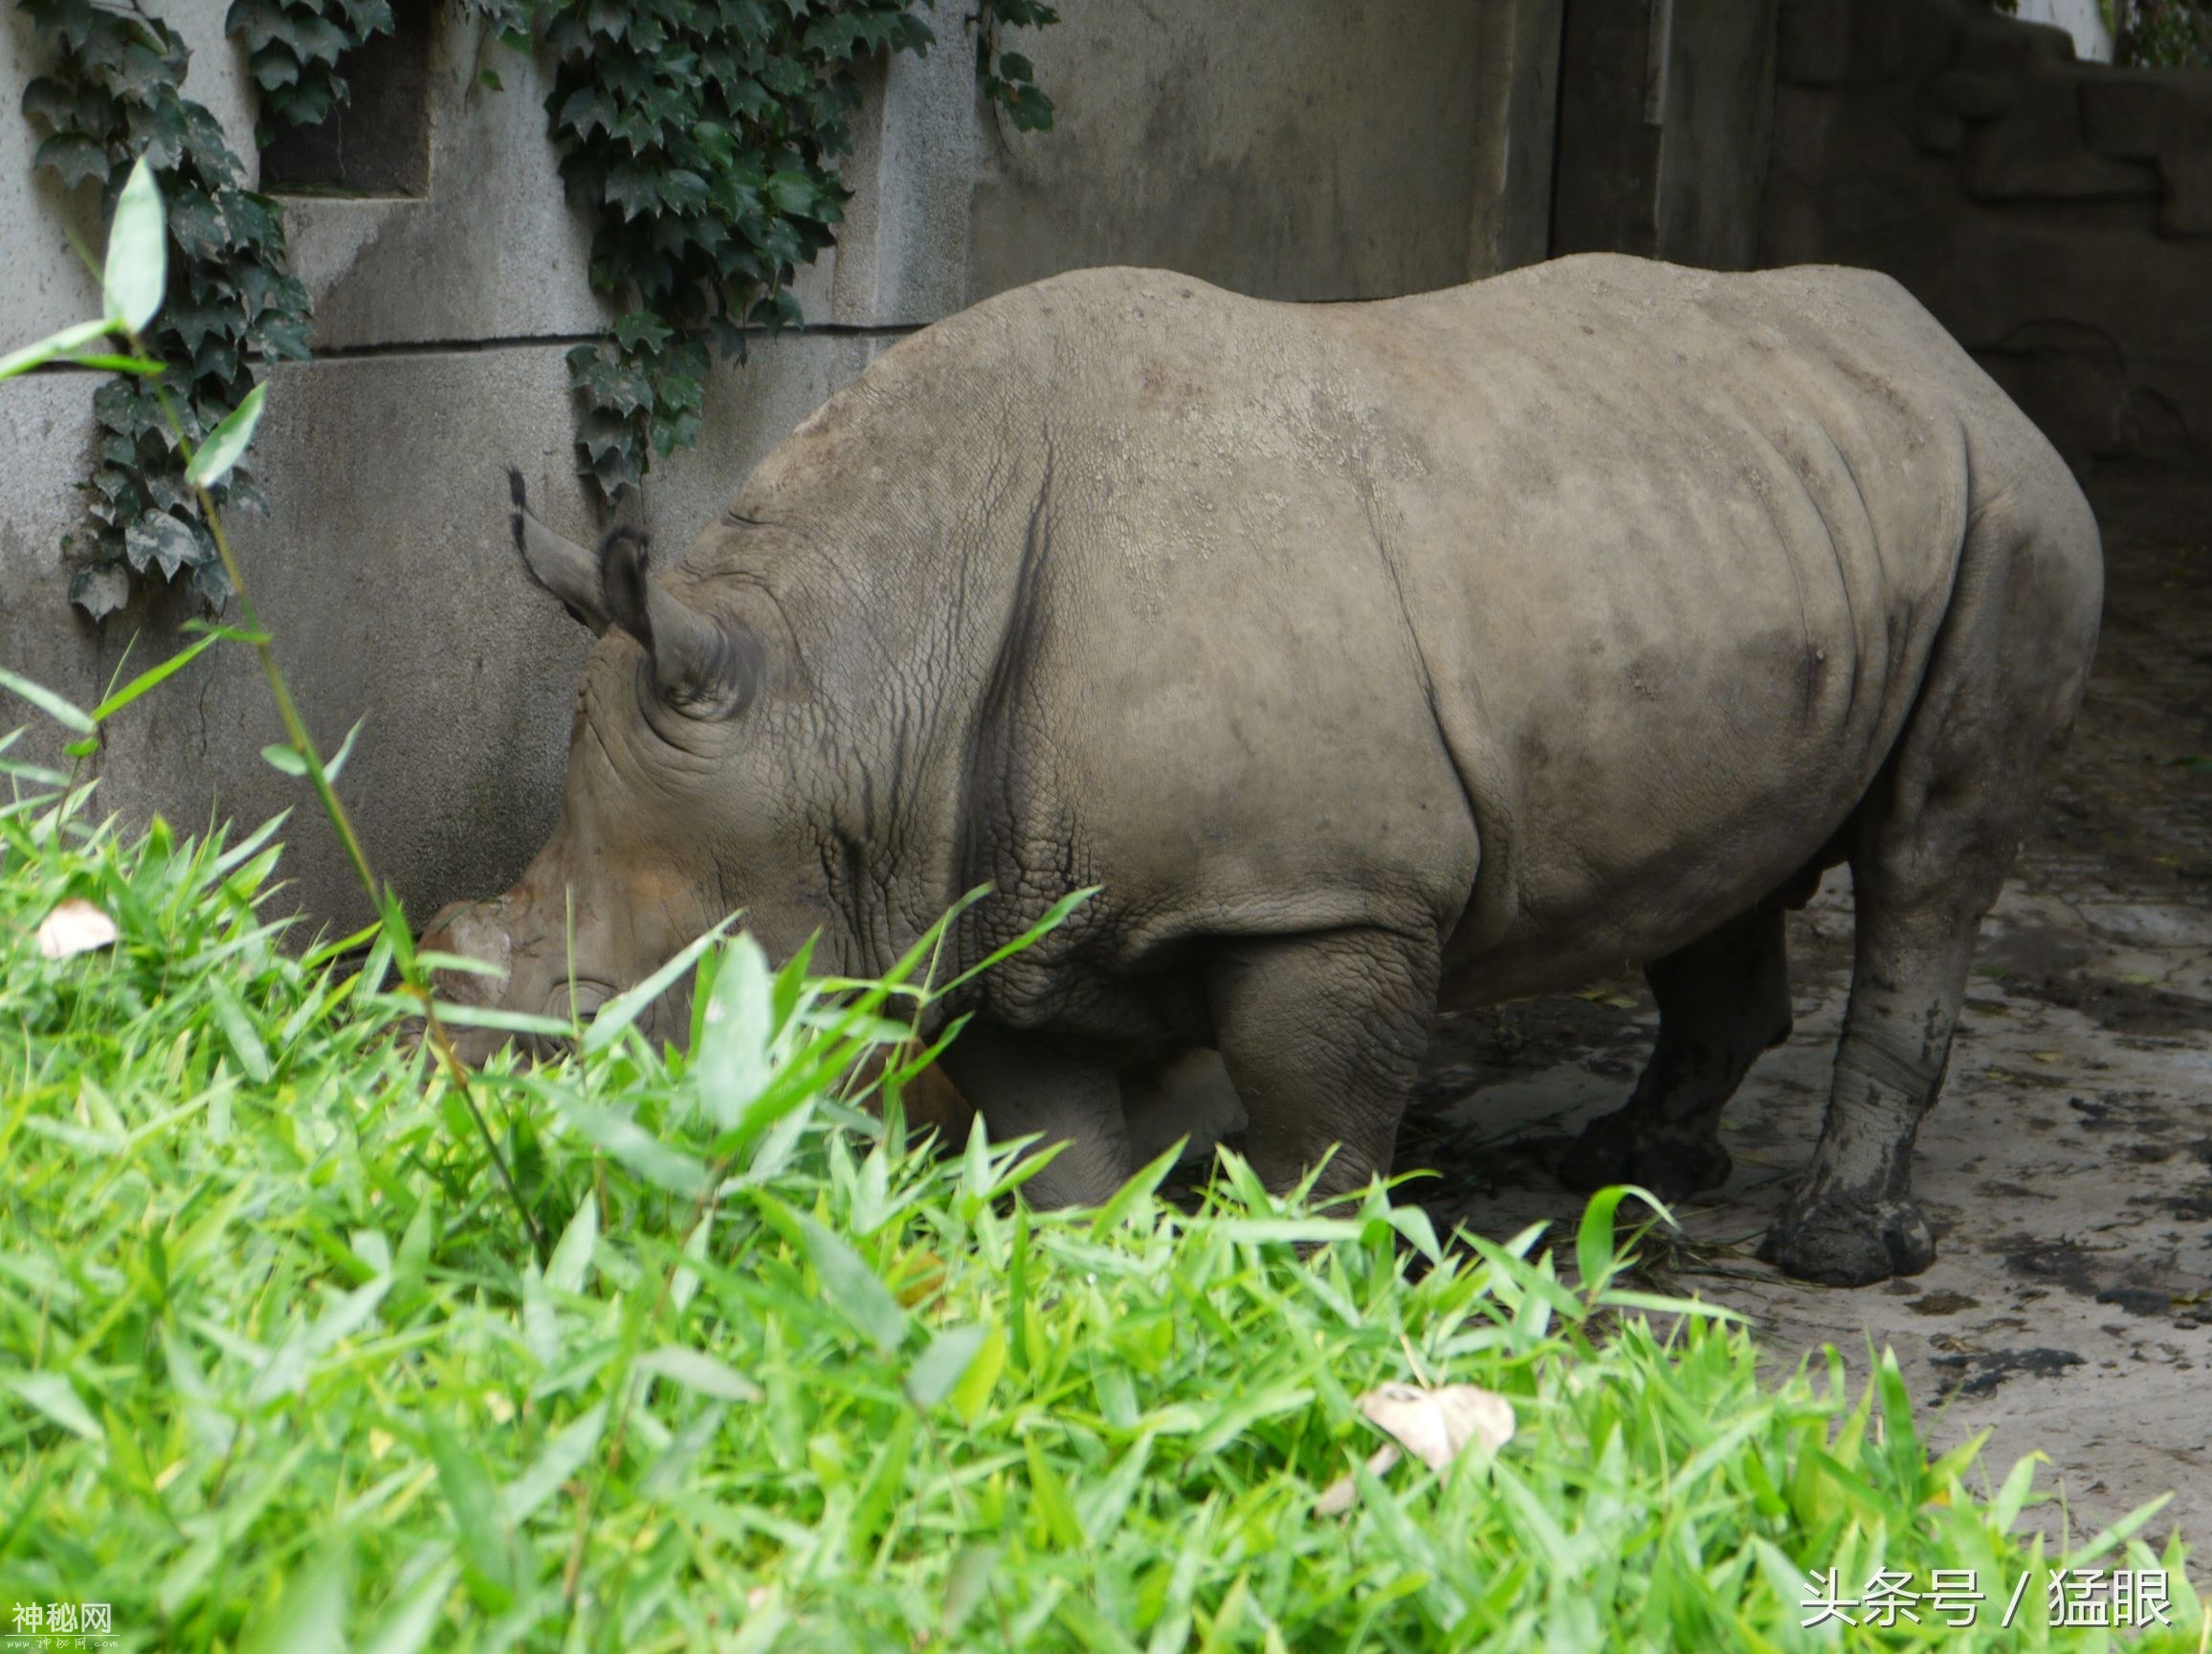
704	133
112	92
705	136
2160	34
294	49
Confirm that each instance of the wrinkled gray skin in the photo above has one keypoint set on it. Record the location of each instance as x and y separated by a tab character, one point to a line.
1370	656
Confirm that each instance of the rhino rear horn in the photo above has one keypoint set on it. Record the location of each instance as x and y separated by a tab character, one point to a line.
700	665
562	566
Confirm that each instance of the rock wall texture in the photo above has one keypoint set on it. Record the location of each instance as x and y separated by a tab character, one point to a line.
1298	149
2056	215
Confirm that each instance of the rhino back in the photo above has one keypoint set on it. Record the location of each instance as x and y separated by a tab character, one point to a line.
1683	546
1608	582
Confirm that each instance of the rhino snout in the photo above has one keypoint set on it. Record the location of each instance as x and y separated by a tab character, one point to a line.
471	931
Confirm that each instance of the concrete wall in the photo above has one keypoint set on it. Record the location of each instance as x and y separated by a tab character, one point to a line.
2055	216
1287	148
1663	129
1301	149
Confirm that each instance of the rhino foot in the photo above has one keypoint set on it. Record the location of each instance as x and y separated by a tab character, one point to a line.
1672	1165
1840	1242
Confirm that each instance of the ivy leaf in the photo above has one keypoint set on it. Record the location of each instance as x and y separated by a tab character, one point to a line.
193	322
671	434
793	192
197	224
73	157
121	406
632	189
586	110
253	217
138	251
314	38
140	71
216	360
274	68
47	100
679	392
607	17
1029	109
312	100
158	538
284	339
256	22
641	329
100	589
241	492
211	582
157	131
684	190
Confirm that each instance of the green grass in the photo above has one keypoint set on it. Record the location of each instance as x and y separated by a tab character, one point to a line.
281	1367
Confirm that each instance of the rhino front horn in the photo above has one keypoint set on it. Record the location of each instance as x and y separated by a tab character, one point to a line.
701	664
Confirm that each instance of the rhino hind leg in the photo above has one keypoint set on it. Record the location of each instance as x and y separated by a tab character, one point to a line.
1852	1220
1929	849
1322	1036
1722	1000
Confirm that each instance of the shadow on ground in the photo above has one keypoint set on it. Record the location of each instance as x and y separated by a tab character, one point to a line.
2067	1168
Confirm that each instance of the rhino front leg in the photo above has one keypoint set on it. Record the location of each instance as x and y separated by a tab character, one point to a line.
1322	1036
1022	1083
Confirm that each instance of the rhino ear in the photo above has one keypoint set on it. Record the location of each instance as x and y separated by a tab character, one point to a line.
703	665
562	566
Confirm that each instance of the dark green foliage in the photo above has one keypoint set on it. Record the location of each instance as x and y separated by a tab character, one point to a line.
114	91
705	134
2164	34
294	48
1012	83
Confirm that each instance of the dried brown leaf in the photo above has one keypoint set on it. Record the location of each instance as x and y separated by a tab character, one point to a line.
74	927
1435	1423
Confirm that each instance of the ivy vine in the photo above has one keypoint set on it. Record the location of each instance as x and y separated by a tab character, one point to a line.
113	93
704	133
293	50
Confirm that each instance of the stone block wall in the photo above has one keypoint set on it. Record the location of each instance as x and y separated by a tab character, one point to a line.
1300	148
2055	216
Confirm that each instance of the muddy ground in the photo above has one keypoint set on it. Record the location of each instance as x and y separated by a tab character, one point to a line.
2067	1170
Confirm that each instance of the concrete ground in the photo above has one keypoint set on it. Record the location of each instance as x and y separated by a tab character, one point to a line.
2068	1169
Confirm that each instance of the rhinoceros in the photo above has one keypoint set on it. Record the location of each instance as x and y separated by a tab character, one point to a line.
1367	658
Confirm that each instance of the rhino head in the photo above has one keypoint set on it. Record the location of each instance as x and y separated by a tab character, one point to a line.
680	805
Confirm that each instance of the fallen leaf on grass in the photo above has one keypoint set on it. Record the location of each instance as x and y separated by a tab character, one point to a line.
74	927
1434	1425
